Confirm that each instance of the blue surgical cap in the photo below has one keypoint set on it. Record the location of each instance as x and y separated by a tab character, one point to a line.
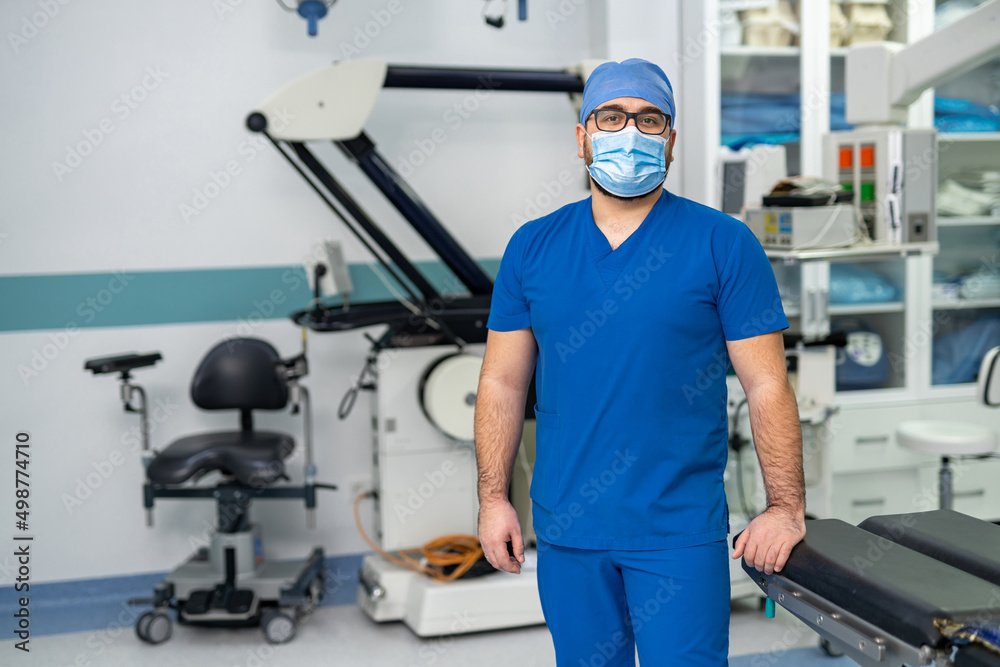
629	78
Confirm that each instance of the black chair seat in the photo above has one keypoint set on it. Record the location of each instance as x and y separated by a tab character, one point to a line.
254	459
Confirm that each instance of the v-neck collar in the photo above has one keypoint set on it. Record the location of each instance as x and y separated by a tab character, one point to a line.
610	263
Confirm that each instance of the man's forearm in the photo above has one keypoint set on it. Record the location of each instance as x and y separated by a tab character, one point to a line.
499	422
777	437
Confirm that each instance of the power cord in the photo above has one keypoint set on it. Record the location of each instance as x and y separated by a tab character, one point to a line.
737	442
459	552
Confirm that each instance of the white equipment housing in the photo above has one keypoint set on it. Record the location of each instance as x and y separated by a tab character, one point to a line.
893	174
884	79
427	487
803	227
748	174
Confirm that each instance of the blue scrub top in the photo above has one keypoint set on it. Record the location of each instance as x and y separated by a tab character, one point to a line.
632	429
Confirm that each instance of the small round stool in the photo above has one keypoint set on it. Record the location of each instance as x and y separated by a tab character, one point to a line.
948	440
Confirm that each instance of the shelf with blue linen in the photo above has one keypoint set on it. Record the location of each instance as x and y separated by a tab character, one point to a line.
862	296
965	291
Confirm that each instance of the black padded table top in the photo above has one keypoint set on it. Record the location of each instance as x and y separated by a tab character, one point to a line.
950	537
893	587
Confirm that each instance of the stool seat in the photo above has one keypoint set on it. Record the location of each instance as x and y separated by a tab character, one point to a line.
944	438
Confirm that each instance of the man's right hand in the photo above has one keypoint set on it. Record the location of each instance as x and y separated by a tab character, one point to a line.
498	525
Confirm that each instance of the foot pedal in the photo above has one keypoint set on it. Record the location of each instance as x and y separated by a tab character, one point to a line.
199	602
240	602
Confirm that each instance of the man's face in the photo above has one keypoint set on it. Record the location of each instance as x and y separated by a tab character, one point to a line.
631	105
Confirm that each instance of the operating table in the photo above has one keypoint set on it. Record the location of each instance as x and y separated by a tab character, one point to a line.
906	589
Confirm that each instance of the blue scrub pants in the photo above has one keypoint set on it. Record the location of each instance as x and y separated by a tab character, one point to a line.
671	603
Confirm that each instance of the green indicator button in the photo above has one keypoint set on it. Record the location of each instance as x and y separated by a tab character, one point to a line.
867	192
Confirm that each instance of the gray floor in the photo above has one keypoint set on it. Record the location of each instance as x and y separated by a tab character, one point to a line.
343	635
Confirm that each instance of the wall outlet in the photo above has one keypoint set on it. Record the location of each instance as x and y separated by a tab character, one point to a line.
357	485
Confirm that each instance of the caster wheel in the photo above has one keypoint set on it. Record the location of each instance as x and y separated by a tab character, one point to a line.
154	627
829	649
277	626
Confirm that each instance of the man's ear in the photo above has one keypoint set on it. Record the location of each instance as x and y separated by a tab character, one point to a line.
581	137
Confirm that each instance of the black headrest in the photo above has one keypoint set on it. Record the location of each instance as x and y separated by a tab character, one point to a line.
239	374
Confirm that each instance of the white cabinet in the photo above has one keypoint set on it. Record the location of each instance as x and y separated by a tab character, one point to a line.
947	310
868	297
975	487
857	496
965	284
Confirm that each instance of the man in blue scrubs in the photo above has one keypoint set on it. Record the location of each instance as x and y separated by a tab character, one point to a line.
630	305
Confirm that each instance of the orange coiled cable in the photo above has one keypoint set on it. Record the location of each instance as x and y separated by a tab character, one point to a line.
462	551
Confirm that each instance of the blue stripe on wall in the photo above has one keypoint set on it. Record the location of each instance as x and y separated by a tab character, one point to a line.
134	298
101	605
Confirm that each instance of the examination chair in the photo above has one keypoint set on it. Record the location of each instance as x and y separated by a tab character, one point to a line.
228	583
906	589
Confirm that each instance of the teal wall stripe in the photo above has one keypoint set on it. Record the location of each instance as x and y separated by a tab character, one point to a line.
134	298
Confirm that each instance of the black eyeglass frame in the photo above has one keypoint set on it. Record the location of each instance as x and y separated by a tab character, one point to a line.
635	117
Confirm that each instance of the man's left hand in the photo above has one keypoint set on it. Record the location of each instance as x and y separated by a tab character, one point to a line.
768	540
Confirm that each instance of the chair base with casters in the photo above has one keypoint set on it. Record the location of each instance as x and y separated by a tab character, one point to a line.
228	583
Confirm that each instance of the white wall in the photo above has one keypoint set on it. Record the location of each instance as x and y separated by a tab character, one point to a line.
119	209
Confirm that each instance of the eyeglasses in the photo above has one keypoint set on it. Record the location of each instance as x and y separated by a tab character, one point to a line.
647	122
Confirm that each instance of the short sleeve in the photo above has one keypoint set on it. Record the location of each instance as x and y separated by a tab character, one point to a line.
508	308
748	303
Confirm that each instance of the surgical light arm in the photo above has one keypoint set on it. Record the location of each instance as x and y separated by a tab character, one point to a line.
884	78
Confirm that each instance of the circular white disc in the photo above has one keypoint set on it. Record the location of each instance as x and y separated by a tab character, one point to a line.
449	395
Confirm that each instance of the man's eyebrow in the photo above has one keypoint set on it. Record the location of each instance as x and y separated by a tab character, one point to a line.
619	107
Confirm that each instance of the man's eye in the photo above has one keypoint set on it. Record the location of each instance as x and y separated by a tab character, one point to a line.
612	118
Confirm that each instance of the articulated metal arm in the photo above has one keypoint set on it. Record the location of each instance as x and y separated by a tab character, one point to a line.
884	78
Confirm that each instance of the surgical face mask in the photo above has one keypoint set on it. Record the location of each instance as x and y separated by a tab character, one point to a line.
628	163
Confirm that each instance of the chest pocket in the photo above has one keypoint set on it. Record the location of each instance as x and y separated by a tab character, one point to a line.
545	476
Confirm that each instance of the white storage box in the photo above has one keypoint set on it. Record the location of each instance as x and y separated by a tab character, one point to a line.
869	22
772	27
